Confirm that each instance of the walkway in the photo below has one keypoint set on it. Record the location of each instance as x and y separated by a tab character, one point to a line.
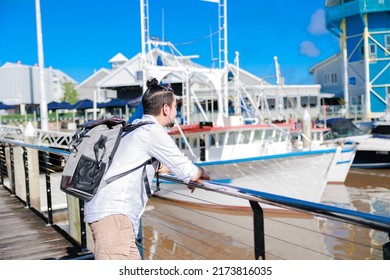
25	236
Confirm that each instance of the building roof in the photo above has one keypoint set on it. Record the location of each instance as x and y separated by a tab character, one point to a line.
119	57
324	62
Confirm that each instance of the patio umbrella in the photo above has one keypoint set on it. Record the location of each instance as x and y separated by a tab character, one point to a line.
82	104
5	106
115	102
58	105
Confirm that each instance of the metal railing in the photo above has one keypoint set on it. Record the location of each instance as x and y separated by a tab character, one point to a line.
14	154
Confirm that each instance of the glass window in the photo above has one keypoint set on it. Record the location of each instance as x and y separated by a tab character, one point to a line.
387	44
304	101
232	138
221	138
212	140
313	101
258	137
194	142
244	137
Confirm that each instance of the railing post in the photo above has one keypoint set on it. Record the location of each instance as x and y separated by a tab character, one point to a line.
48	189
11	155
2	155
258	230
386	250
27	177
83	230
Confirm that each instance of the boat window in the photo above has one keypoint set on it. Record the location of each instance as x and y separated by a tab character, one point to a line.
244	137
194	142
287	103
258	136
278	135
212	140
271	103
232	138
268	133
183	143
221	138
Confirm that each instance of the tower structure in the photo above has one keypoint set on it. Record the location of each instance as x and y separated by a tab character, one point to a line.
363	27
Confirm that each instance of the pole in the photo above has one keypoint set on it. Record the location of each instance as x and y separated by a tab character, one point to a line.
43	106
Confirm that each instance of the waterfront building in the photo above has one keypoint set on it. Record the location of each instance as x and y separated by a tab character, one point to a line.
359	74
19	85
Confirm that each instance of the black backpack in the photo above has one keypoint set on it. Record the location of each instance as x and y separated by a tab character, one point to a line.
92	149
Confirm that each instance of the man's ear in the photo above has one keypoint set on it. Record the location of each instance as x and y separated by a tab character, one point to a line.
165	110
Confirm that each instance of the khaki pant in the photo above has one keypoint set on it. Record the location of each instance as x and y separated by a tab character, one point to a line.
114	239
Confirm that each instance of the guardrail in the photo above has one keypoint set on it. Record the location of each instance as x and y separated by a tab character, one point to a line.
24	167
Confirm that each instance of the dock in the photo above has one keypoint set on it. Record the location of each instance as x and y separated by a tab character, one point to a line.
25	236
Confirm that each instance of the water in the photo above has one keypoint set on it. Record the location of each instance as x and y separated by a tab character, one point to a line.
180	231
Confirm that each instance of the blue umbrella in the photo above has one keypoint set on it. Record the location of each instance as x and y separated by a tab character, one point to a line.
5	106
115	102
56	105
82	104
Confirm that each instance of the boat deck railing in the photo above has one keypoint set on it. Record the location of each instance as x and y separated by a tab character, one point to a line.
32	174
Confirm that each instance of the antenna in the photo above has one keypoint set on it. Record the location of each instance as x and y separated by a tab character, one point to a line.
211	50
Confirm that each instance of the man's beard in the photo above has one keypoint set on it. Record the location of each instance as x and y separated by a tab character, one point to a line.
171	124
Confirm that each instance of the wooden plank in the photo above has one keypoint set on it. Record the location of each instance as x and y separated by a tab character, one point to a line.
25	236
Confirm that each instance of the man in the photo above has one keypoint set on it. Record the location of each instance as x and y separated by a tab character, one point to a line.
115	211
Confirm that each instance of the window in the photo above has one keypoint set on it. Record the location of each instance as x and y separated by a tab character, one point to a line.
373	52
221	139
313	101
304	101
330	78
244	137
212	141
361	52
387	44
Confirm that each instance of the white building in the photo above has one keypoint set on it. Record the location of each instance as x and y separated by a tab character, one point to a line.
20	85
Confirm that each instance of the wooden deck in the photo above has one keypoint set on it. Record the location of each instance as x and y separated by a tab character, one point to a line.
25	236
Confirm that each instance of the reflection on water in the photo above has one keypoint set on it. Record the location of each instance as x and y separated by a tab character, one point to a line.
180	231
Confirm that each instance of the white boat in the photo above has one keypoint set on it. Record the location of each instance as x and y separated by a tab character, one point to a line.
257	157
373	149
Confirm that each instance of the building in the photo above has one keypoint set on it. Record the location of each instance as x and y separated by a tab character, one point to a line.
88	89
201	90
360	73
20	85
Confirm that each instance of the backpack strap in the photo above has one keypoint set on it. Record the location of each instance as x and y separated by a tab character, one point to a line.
120	175
126	130
130	127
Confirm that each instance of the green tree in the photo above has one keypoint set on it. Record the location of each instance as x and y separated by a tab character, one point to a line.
70	93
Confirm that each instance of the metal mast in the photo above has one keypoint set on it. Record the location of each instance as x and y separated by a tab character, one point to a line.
145	38
43	106
223	50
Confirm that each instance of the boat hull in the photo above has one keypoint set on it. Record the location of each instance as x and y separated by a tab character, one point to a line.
341	164
372	152
299	175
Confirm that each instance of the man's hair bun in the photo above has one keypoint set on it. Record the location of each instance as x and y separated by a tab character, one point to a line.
151	83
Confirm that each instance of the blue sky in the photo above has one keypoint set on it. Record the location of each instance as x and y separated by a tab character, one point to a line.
80	37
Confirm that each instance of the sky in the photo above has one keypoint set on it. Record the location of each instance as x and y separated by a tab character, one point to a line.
81	36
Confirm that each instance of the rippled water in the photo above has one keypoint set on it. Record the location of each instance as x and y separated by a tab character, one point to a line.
213	234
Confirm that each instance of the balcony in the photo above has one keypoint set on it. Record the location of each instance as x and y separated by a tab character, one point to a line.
336	11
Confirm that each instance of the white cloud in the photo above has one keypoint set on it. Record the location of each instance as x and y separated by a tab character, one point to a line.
317	23
309	49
